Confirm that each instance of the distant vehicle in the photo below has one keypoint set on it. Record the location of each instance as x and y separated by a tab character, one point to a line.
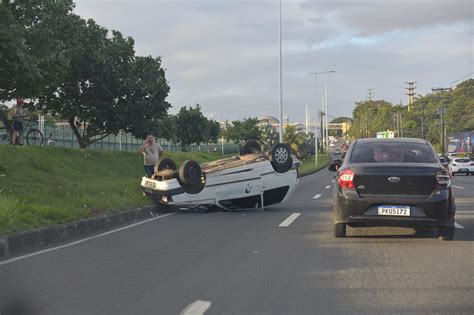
332	144
253	180
443	161
337	151
393	182
461	165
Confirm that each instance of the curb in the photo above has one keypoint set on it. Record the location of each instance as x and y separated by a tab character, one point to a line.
32	240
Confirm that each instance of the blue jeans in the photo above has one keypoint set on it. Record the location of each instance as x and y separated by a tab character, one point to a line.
149	170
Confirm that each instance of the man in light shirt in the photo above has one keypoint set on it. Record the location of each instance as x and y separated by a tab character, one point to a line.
152	151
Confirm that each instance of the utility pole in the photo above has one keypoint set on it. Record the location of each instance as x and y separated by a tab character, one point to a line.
422	118
401	124
441	111
321	116
281	83
326	111
411	95
369	94
307	121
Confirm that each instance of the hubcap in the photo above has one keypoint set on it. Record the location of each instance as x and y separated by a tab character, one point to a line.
281	155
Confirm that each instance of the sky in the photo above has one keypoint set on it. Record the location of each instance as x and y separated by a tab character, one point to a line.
224	54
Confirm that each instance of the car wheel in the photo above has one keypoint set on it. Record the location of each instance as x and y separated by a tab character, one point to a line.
164	163
446	233
281	158
195	189
250	147
339	229
190	173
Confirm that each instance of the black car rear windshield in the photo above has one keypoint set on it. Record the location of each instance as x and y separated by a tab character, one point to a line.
393	152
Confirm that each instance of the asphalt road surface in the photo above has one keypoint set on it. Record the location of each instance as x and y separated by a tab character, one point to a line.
253	263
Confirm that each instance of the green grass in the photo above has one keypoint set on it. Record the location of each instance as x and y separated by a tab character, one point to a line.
309	166
42	186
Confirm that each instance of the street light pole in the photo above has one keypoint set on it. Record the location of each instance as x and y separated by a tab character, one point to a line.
281	79
316	114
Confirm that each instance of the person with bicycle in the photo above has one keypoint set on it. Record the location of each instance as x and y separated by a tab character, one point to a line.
18	114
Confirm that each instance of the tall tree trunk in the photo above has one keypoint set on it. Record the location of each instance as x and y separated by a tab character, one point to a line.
80	139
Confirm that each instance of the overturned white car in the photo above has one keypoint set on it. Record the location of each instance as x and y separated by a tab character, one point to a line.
253	180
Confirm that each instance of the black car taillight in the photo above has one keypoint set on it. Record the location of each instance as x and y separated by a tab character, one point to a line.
472	164
443	180
346	179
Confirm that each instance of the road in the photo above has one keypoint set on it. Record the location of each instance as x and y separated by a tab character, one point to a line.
245	263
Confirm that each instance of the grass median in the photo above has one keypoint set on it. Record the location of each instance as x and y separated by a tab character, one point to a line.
309	166
42	186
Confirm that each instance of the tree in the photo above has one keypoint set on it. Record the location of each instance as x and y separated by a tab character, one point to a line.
244	130
189	126
106	88
268	136
31	46
296	141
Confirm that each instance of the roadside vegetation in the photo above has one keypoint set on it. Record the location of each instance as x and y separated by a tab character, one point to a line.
370	117
42	186
309	166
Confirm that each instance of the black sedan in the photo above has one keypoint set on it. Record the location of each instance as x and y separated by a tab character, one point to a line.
393	182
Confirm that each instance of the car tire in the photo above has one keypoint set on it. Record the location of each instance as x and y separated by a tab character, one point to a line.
339	229
446	233
195	189
281	158
164	163
190	173
250	147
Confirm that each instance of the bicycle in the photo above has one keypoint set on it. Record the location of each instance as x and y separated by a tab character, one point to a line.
33	135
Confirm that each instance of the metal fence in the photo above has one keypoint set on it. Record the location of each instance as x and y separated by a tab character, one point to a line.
62	136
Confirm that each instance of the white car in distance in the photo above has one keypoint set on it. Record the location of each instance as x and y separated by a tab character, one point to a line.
461	165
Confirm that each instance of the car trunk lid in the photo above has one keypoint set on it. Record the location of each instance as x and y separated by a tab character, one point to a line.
395	179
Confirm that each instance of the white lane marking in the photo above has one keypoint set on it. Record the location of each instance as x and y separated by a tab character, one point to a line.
196	308
317	196
464	212
458	187
328	186
333	180
458	226
289	220
6	262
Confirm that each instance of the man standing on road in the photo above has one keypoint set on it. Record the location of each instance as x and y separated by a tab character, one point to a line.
18	115
151	153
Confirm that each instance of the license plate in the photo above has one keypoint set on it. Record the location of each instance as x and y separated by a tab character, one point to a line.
464	170
394	210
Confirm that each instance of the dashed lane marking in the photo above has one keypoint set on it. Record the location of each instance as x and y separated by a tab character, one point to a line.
458	226
290	219
5	262
458	187
196	308
317	196
328	186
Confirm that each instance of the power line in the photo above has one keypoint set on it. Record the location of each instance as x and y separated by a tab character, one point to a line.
467	75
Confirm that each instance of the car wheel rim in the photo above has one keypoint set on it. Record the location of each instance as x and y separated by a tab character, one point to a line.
281	155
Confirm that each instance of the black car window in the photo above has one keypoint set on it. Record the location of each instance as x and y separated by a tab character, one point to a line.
393	152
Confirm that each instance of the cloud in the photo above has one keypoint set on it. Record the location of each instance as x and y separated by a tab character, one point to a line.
224	54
